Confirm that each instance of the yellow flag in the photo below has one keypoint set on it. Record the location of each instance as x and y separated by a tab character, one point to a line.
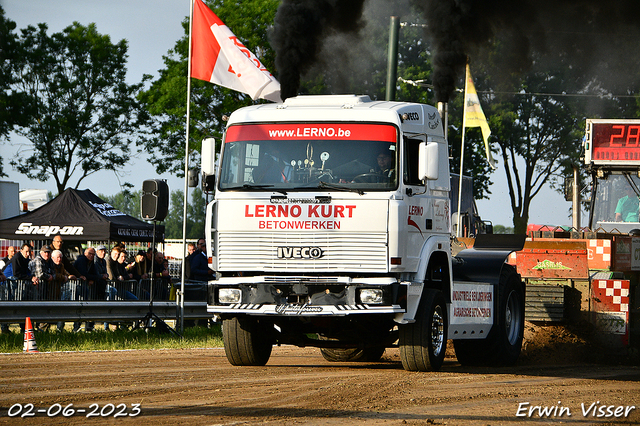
473	115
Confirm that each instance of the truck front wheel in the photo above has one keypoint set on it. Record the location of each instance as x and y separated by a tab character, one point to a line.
504	342
423	343
247	341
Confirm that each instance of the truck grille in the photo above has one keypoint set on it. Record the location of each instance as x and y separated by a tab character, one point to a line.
257	251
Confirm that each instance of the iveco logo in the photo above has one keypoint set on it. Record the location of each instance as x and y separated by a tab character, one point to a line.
299	252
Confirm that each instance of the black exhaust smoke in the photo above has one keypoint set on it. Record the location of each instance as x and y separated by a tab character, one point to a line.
300	28
457	27
589	35
594	36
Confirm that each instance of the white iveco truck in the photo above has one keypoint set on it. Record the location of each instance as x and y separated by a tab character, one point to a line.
330	228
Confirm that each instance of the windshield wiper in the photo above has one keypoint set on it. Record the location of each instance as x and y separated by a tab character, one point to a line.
327	185
254	186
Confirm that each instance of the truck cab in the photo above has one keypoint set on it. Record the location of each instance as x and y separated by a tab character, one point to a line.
612	157
332	219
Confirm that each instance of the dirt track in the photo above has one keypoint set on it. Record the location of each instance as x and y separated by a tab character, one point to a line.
198	386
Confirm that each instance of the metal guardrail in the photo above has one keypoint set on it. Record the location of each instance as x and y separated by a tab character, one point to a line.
121	301
25	290
46	311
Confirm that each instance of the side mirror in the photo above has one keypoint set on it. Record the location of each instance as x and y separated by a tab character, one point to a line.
208	156
192	178
209	183
428	161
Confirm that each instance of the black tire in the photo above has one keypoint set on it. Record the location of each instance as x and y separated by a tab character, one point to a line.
246	341
504	342
352	354
423	343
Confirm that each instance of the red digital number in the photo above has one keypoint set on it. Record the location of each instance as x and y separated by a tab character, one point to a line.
617	139
633	135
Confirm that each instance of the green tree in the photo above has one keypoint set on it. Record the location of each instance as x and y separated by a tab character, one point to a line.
126	201
195	215
501	229
166	99
15	106
87	116
541	131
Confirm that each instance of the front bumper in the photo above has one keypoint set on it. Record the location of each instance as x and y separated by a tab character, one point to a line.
306	296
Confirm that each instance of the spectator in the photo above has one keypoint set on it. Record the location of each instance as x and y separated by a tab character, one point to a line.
113	267
161	274
191	247
56	244
6	261
85	265
149	261
159	270
140	269
6	271
95	286
20	264
41	268
101	265
68	288
20	267
198	261
125	269
117	273
4	295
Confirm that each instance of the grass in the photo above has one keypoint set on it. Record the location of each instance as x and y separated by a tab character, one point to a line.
107	340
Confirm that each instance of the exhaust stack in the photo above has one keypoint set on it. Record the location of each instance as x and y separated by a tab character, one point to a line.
443	109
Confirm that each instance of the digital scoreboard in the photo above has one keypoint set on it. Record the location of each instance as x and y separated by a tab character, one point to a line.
614	142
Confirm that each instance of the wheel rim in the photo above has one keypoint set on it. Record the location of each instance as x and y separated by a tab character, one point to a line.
513	318
437	330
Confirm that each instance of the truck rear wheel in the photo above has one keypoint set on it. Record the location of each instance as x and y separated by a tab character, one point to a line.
352	354
423	343
504	342
246	341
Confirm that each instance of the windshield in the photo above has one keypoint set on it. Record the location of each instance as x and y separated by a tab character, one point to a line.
616	199
345	156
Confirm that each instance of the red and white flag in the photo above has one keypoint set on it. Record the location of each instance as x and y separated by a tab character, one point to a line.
219	57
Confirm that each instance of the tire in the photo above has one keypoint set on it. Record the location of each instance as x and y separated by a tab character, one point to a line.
352	354
246	341
423	343
504	342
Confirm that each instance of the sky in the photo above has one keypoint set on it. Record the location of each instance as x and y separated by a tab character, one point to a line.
151	29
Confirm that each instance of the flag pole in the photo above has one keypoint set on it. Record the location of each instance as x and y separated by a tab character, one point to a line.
464	126
180	297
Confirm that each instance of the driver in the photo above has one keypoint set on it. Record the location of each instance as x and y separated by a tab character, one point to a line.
272	168
627	208
386	165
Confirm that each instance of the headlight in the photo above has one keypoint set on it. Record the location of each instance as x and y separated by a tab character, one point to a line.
370	295
229	295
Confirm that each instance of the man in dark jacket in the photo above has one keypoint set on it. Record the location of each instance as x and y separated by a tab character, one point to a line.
100	262
94	287
20	265
198	262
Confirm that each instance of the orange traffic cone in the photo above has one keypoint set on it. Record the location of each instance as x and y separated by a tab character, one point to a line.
29	338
